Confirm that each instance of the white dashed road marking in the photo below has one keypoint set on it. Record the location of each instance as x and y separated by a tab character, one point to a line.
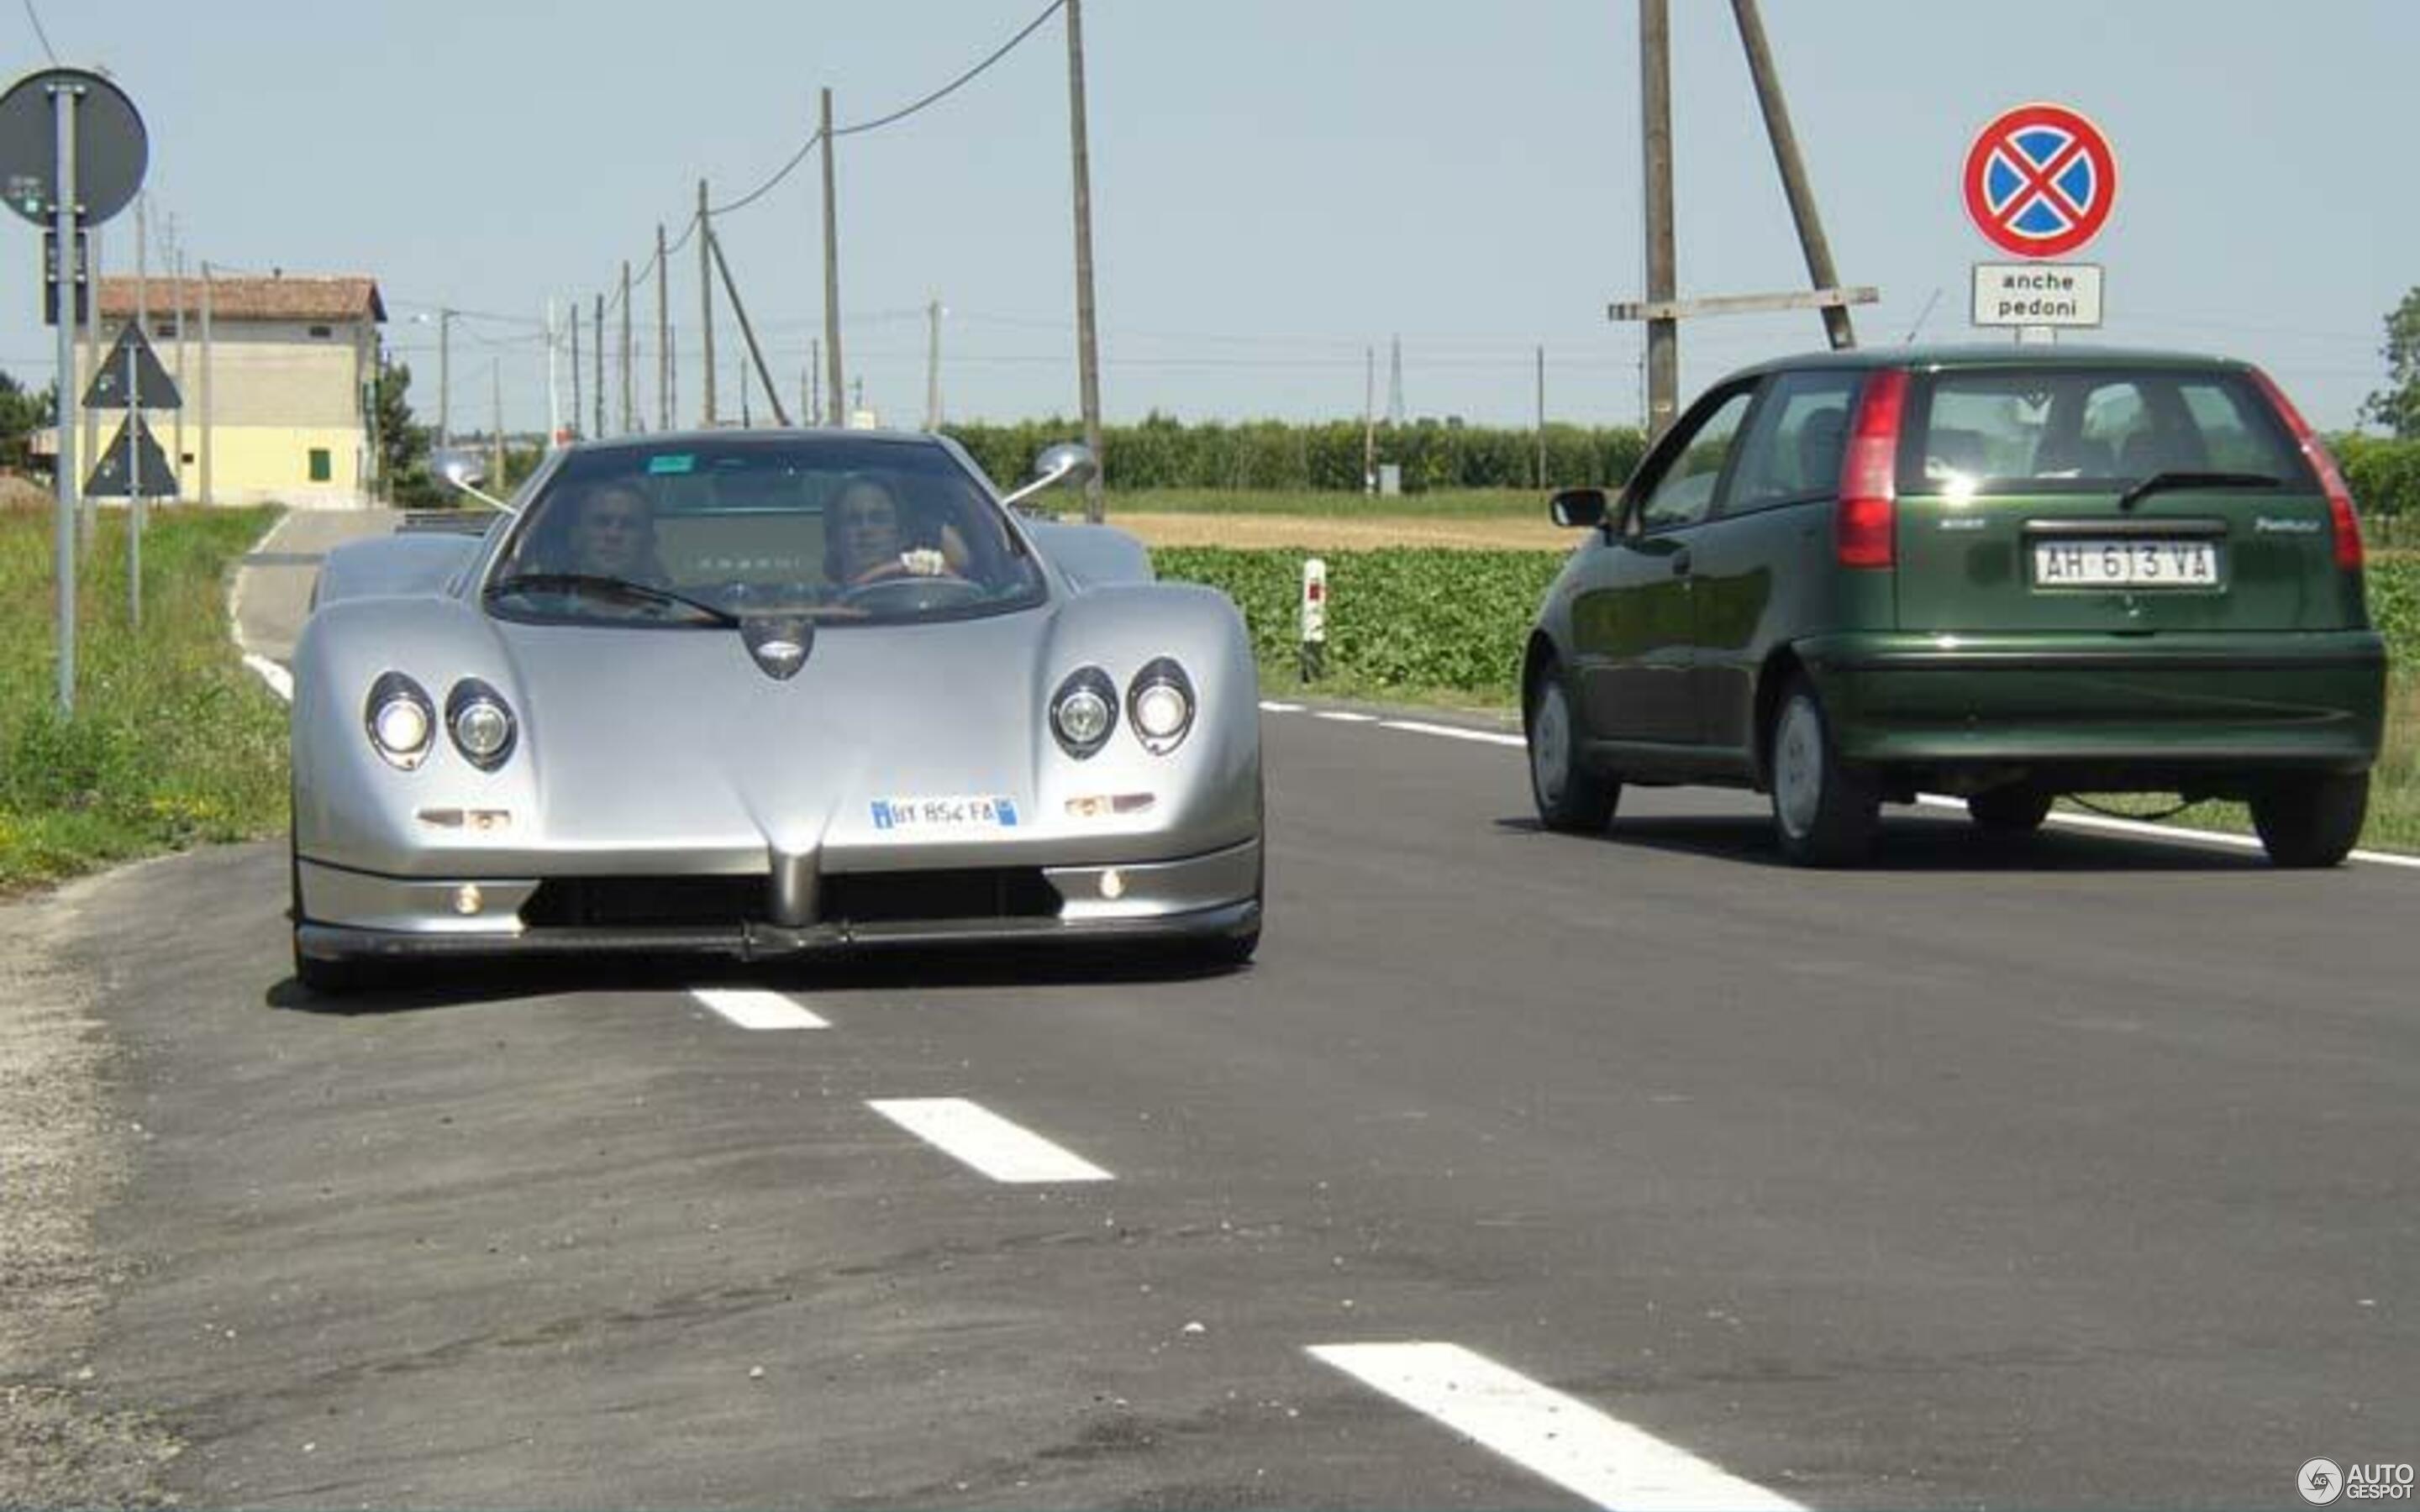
986	1141
752	1008
1346	716
1561	1438
1484	737
1272	707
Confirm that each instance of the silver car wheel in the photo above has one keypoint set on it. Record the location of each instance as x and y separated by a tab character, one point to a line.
1798	766
1550	745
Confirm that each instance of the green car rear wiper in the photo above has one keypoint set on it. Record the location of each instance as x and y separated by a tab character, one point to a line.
2164	482
621	588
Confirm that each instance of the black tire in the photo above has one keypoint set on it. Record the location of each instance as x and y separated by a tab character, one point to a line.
1824	811
1570	797
327	979
2311	821
2009	811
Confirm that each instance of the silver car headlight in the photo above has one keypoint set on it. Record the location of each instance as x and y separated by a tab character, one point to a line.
1159	702
401	720
1084	711
481	722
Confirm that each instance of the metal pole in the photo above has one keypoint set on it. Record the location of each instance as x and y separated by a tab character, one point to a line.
664	333
1088	349
1541	417
1837	327
209	426
1655	94
815	380
444	379
177	455
831	271
1370	420
496	426
932	367
597	369
706	302
134	411
89	508
64	213
629	416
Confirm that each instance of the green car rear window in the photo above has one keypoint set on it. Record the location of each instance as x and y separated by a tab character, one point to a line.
2050	429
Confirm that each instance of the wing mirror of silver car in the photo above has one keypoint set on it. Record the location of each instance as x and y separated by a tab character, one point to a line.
1069	463
1579	508
463	468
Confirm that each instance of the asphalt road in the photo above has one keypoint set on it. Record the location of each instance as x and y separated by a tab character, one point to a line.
2072	1172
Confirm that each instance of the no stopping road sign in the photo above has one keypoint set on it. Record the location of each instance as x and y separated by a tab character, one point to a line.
2039	180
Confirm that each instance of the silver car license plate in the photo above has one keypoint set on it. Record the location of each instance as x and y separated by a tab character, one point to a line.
2133	562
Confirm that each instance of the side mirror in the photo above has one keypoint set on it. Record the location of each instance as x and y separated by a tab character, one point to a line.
1579	508
463	468
1069	463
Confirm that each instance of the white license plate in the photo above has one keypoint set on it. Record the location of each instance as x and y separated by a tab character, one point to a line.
2137	561
944	813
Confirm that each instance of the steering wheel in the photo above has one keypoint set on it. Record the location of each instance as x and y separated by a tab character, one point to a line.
911	594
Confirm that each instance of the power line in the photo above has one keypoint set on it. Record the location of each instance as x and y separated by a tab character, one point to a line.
44	36
954	84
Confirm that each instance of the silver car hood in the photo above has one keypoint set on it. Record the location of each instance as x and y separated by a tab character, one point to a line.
731	750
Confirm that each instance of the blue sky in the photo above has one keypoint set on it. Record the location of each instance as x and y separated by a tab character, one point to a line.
1279	186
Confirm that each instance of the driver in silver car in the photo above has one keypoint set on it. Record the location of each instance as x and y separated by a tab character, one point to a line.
613	535
869	543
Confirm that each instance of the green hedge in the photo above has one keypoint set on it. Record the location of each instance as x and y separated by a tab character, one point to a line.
1161	452
2384	476
1413	619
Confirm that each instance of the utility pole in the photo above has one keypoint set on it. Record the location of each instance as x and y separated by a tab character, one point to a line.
553	380
1541	417
444	379
1655	95
496	426
663	334
706	302
572	319
831	271
747	335
207	497
815	382
1370	420
1088	351
179	455
932	367
629	417
597	370
1837	327
66	214
1395	382
69	399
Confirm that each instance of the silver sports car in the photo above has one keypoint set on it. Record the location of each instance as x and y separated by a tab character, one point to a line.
753	693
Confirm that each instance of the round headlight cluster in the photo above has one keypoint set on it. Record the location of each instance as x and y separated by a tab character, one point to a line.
481	723
1084	711
401	720
1160	703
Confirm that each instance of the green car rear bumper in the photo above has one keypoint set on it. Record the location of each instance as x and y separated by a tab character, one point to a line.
2149	709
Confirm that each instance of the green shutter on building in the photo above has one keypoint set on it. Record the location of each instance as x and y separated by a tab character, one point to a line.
321	468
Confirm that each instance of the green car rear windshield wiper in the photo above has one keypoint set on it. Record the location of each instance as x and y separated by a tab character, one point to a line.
2164	482
621	588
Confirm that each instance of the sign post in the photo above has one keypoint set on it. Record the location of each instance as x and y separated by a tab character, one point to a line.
2040	182
73	151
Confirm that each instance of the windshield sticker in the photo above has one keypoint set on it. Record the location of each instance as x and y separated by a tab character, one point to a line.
675	462
933	815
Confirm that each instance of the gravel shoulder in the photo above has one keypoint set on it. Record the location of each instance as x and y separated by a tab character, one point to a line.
65	1440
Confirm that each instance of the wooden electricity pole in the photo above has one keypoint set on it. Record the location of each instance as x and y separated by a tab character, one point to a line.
597	364
706	304
1088	347
1837	327
1656	94
832	273
663	334
629	417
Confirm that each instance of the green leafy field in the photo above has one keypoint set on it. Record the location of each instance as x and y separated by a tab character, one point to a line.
173	742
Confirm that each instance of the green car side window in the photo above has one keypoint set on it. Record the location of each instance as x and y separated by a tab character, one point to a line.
1793	450
1687	490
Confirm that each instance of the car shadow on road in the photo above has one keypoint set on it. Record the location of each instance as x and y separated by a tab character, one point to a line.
426	986
1918	842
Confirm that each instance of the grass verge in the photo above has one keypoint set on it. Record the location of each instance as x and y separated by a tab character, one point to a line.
1445	504
174	743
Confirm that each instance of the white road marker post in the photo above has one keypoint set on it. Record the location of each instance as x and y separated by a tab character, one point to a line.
1314	619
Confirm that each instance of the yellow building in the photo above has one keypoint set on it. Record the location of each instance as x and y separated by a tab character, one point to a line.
278	397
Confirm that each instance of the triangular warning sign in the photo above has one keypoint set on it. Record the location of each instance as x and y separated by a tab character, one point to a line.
113	476
114	388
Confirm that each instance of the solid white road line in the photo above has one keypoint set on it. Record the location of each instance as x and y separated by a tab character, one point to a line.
1273	706
1561	1438
986	1141
280	681
1452	732
1346	716
752	1008
2169	832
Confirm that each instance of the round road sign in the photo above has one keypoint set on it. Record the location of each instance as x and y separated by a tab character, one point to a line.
112	147
2039	180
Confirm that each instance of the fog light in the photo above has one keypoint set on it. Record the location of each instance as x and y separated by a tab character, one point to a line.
1113	884
468	898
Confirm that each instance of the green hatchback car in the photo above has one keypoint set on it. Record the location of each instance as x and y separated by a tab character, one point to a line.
2003	572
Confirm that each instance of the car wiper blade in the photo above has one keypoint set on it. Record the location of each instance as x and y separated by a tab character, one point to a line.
2166	482
604	587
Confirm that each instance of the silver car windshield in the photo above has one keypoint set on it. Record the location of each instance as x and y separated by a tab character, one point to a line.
706	531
